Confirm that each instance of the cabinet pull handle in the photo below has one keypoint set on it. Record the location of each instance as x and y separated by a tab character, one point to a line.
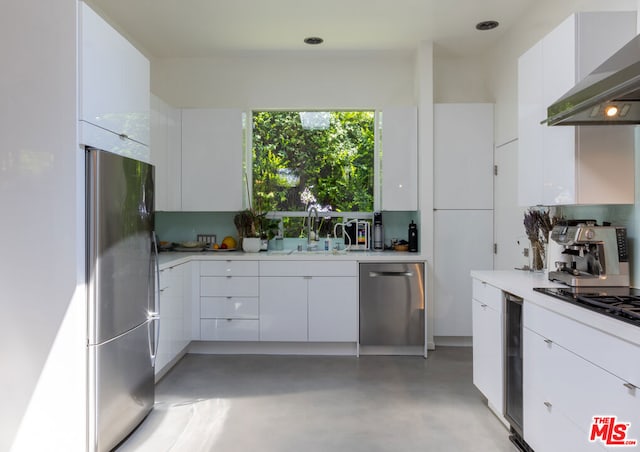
630	386
483	306
229	320
124	136
229	298
548	341
548	404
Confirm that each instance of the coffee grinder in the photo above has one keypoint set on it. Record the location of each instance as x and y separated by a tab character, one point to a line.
378	232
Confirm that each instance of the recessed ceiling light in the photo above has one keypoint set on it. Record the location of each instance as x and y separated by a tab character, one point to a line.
313	40
486	25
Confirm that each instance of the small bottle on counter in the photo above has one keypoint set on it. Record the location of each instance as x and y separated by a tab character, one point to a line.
327	243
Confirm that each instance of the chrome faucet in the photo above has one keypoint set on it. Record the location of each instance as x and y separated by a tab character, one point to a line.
315	220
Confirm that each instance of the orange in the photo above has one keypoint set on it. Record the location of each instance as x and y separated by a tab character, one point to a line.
229	241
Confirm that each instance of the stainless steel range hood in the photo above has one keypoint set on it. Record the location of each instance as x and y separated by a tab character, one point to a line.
610	95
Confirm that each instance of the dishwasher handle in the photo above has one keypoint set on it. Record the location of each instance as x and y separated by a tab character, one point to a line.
379	274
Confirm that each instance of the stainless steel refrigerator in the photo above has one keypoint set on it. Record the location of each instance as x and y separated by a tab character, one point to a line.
122	315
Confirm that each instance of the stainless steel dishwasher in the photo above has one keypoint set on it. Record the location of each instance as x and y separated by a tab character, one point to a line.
392	304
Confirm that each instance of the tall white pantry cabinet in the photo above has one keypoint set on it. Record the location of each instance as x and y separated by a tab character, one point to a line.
44	321
463	217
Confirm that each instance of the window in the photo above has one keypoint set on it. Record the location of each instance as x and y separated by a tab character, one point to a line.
319	159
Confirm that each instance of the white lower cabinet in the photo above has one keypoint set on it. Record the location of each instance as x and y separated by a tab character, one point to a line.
283	308
546	425
549	430
333	309
308	301
487	323
564	390
229	301
175	314
277	301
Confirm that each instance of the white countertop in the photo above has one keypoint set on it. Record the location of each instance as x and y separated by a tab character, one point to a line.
521	283
171	258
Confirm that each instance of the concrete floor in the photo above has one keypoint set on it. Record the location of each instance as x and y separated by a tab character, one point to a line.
319	404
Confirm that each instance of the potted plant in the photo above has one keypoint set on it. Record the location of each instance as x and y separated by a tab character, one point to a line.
254	226
248	223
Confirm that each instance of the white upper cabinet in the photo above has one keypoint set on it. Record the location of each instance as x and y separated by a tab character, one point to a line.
566	164
212	178
399	169
463	162
114	90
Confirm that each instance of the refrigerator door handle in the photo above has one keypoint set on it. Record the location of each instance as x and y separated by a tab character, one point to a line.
154	314
153	341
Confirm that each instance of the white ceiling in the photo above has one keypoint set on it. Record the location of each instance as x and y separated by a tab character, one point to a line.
200	28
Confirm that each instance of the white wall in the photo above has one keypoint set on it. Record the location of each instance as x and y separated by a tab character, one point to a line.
287	80
461	80
43	319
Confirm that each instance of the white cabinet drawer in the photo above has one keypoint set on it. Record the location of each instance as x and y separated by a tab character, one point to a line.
548	429
229	268
308	268
487	294
602	349
576	387
229	286
170	277
229	330
229	307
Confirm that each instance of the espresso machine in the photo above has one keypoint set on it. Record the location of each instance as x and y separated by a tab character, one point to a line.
591	255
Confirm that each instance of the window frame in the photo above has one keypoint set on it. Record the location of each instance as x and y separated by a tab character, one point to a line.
247	165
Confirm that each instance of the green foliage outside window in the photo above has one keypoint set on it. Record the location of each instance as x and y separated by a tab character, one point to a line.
295	168
335	164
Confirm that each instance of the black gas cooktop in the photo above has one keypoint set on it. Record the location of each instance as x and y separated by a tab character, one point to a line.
622	303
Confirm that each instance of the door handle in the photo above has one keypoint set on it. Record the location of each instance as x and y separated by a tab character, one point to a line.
379	274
